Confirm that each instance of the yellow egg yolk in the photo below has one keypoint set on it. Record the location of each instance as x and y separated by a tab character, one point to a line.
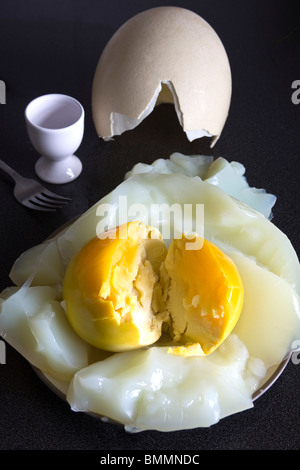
205	295
108	288
122	288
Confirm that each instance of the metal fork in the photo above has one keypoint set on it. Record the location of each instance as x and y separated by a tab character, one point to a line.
32	194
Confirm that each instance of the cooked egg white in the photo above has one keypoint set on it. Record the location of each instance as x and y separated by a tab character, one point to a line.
151	389
267	325
34	323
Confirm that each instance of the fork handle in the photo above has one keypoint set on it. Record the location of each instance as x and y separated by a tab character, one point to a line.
15	176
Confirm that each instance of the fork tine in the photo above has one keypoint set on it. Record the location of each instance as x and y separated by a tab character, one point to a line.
48	193
37	207
41	198
44	203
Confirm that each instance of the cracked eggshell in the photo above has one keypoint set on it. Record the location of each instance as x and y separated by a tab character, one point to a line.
165	54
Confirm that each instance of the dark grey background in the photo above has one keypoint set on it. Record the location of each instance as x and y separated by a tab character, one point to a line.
53	46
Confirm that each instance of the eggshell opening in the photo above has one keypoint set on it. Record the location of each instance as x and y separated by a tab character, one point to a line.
163	55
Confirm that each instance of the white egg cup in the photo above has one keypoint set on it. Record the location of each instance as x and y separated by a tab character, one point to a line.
55	125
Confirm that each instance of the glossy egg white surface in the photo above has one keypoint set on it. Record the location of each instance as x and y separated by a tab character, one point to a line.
151	389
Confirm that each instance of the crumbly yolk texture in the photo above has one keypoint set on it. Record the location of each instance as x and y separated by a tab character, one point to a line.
108	288
205	295
122	289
